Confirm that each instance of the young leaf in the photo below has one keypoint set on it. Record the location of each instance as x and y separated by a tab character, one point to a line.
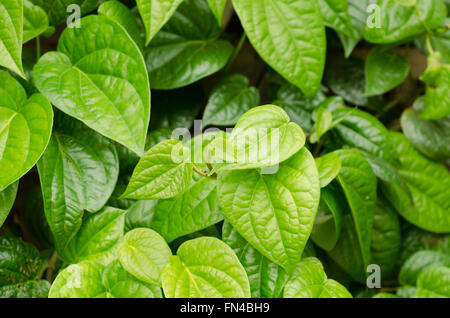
384	70
11	37
310	281
188	48
35	21
217	7
329	167
7	198
163	172
418	262
290	36
156	13
114	101
434	282
144	253
274	212
336	15
266	278
78	172
229	100
25	128
205	268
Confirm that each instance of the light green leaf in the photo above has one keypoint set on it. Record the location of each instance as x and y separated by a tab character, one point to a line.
290	36
434	282
35	21
273	212
114	101
329	166
205	268
310	281
163	172
25	128
418	262
188	48
324	122
407	3
217	7
229	100
144	253
7	198
156	13
11	37
384	70
336	16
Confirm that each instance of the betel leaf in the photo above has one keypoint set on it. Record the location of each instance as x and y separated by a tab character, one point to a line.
25	128
329	166
217	7
98	233
430	137
140	214
324	122
156	13
429	185
188	48
144	253
290	36
229	100
19	261
11	22
419	262
92	280
264	136
434	282
266	278
78	172
120	13
29	289
273	212
163	172
336	16
400	22
114	101
205	268
7	198
310	281
384	70
35	21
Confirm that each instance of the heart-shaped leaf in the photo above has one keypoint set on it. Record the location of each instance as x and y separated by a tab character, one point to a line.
35	21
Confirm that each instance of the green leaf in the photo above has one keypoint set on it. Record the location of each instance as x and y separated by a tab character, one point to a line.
30	289
163	172
329	166
57	10
430	137
283	204
156	13
290	36
204	268
386	238
336	16
217	7
140	214
122	15
429	185
187	49
11	37
440	41
399	22
229	100
35	21
266	278
25	128
115	101
418	262
384	70
7	198
324	122
144	253
92	280
407	3
385	295
434	282
78	172
310	281
98	233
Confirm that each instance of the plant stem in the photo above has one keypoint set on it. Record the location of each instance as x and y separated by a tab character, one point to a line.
42	271
51	266
204	174
318	148
429	46
388	107
38	48
235	52
419	16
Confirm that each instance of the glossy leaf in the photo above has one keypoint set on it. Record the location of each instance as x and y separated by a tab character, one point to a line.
35	21
229	100
7	198
217	7
25	128
335	14
329	166
205	267
114	101
434	282
163	172
144	253
273	212
187	49
324	122
418	262
290	36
